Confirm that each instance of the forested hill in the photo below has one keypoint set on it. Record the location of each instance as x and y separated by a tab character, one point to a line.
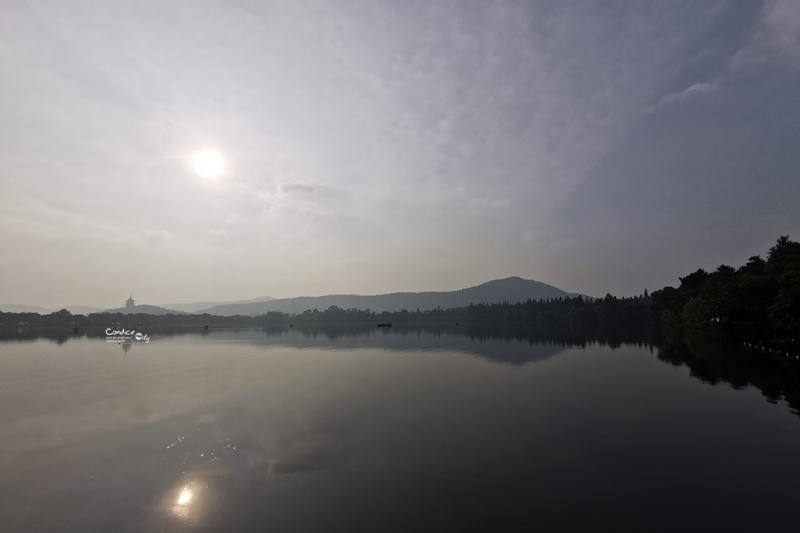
502	290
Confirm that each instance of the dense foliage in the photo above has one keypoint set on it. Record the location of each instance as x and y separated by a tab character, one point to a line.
765	293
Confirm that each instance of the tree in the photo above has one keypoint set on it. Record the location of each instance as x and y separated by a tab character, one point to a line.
694	281
725	271
784	313
784	247
755	265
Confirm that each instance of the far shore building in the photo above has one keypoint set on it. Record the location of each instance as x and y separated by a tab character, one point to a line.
130	303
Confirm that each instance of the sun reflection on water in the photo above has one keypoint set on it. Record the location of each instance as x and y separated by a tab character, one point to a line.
184	501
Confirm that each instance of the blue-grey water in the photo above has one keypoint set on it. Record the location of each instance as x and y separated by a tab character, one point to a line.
392	430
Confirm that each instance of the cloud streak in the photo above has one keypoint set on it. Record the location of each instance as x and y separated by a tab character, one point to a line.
693	91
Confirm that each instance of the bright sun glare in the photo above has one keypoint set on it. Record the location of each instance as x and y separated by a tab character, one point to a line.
207	163
185	496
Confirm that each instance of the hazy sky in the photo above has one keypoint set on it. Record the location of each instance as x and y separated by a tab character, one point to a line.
383	146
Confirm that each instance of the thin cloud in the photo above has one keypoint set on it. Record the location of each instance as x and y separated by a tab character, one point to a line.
693	91
297	186
777	36
782	21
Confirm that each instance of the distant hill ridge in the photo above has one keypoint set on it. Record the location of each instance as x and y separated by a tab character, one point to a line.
197	306
74	309
145	309
514	289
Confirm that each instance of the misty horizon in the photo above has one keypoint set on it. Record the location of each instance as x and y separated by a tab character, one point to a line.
264	298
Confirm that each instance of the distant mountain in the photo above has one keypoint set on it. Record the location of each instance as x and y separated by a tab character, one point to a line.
19	308
197	306
510	289
74	309
83	309
146	309
584	296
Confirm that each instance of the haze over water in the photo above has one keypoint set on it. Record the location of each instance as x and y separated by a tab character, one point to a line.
404	430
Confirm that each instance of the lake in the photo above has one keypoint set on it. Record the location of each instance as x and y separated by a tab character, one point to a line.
393	429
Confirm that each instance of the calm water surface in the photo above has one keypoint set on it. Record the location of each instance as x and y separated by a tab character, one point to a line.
401	430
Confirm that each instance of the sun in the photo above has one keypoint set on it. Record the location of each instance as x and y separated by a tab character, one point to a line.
207	163
185	496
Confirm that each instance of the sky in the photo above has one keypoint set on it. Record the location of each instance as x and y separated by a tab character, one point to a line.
379	146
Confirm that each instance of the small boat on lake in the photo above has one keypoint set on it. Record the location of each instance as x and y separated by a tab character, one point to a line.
385	325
